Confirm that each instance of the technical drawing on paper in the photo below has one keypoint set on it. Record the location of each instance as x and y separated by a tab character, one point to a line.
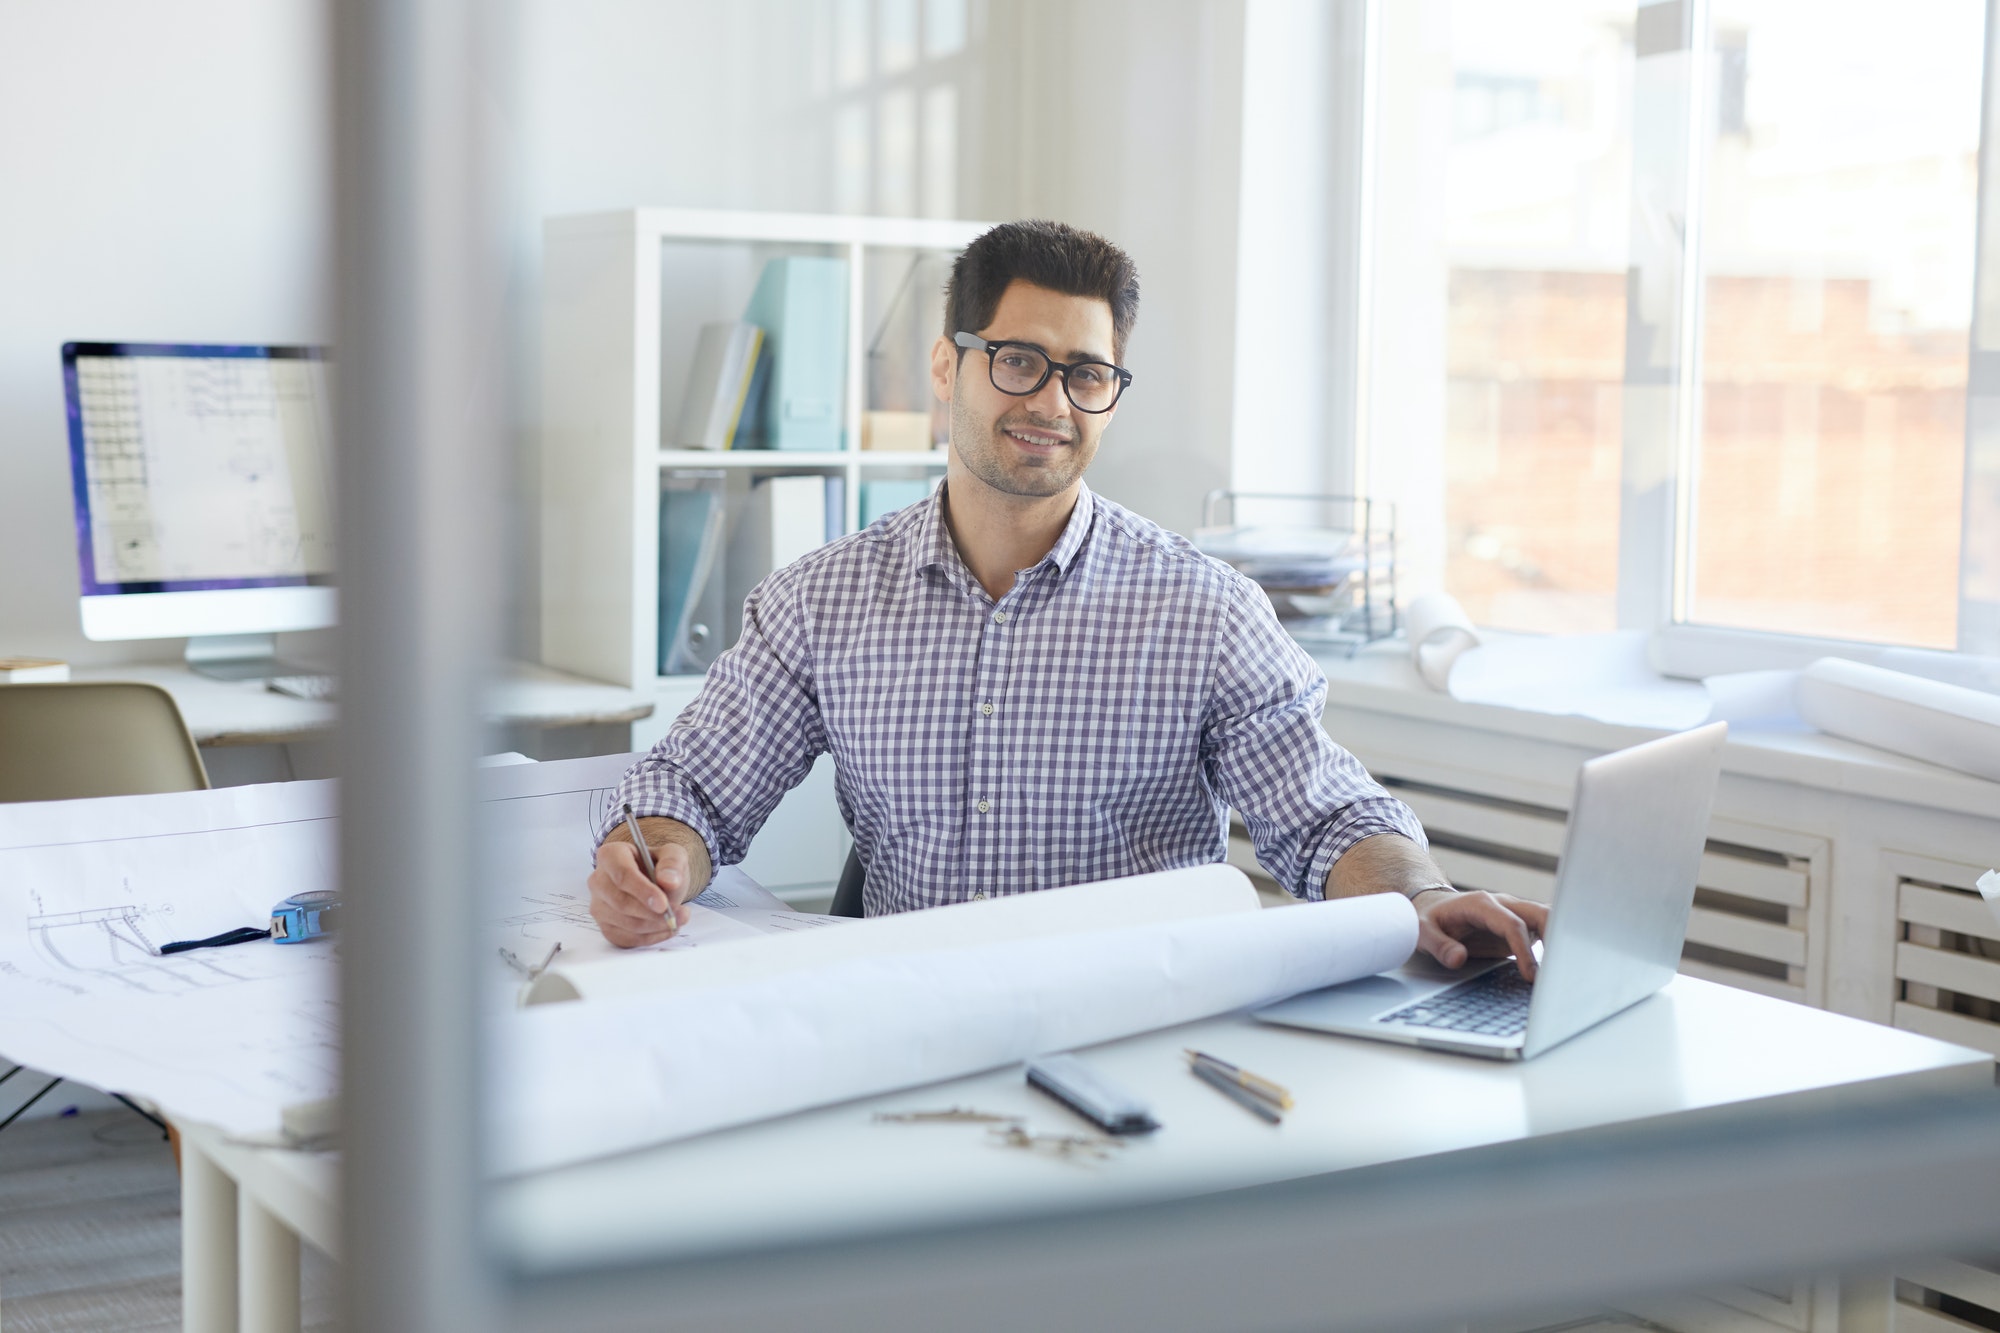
164	437
548	915
300	1056
118	944
600	808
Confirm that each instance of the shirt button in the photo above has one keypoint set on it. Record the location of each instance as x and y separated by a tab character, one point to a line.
999	617
981	807
987	709
979	897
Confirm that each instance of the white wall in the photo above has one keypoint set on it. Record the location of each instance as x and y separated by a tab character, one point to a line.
1138	138
164	171
617	103
161	177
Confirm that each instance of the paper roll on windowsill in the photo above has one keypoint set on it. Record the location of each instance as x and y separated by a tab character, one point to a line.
1440	633
1911	715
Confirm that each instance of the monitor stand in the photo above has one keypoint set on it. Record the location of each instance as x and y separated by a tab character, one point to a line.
234	656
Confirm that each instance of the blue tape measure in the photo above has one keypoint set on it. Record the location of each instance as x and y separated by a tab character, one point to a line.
305	916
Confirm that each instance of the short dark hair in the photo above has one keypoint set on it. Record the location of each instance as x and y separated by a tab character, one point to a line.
1054	255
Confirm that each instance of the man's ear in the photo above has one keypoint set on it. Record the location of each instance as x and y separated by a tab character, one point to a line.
944	368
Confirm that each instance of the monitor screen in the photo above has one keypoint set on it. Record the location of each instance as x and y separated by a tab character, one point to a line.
199	467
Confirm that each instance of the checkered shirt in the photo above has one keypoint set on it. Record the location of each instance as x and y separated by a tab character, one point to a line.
1097	721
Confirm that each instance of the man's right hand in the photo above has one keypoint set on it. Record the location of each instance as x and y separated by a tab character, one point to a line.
632	910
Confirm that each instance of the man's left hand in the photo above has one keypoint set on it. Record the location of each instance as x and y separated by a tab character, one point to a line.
1456	927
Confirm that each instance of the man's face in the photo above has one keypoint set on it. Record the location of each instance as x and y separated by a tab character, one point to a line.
1039	445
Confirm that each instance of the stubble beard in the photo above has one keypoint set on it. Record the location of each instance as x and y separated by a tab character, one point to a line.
981	448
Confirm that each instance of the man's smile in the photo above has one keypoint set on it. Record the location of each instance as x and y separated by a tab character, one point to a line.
1035	438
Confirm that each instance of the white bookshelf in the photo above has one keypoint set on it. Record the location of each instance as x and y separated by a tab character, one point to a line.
624	294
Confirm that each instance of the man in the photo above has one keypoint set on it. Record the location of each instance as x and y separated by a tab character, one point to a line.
1022	684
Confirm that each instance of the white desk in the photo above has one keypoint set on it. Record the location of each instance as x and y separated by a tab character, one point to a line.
245	712
1695	1050
243	1213
1696	1047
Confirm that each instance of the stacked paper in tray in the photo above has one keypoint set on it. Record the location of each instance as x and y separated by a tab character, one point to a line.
632	1066
1287	559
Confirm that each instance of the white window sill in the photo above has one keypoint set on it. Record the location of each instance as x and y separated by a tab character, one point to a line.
1381	679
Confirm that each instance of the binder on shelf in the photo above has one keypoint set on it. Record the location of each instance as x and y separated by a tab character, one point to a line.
887	495
801	304
750	426
721	382
836	507
691	593
781	519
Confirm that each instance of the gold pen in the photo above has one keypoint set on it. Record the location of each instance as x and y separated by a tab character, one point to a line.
1243	1078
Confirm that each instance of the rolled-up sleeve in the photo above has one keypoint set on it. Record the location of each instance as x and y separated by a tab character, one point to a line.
749	737
1304	799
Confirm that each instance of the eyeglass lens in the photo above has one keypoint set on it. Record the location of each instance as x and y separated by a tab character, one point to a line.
1092	385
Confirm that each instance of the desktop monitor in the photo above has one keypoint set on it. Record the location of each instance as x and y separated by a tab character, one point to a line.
204	495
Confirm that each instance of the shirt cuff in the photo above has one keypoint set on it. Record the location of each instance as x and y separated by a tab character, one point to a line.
1363	819
662	801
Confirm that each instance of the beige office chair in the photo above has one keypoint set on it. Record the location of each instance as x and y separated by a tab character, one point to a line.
62	741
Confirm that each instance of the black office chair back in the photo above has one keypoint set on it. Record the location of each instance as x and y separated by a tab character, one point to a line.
847	897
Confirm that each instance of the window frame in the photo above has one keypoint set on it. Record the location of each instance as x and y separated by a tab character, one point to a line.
1675	52
1672	126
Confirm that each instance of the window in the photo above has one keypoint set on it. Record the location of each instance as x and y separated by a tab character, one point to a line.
888	74
1672	306
1840	204
1536	193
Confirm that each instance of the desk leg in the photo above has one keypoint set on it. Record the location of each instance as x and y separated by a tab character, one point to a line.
270	1270
208	1244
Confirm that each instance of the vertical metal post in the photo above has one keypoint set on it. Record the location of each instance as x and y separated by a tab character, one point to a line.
1979	553
417	455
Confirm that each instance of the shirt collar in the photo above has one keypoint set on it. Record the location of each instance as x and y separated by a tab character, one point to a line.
933	547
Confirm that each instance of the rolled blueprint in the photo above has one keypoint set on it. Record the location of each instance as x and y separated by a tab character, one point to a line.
1925	719
1439	632
1198	891
586	1080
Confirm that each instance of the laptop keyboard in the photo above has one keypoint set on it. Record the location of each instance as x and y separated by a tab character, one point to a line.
1492	1005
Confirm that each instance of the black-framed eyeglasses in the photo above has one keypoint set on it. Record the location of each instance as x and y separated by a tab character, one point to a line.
1019	369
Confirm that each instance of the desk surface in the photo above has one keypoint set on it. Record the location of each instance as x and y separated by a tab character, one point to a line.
837	1173
244	712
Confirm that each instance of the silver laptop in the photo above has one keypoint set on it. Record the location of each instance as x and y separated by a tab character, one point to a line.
1616	922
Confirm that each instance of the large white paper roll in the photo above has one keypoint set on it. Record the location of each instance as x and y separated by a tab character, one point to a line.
1170	895
579	1081
1925	719
1439	632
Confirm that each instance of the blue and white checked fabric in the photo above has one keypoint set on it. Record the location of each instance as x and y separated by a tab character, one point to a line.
1097	721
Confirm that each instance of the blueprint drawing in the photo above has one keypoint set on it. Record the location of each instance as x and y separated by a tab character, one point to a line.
89	891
